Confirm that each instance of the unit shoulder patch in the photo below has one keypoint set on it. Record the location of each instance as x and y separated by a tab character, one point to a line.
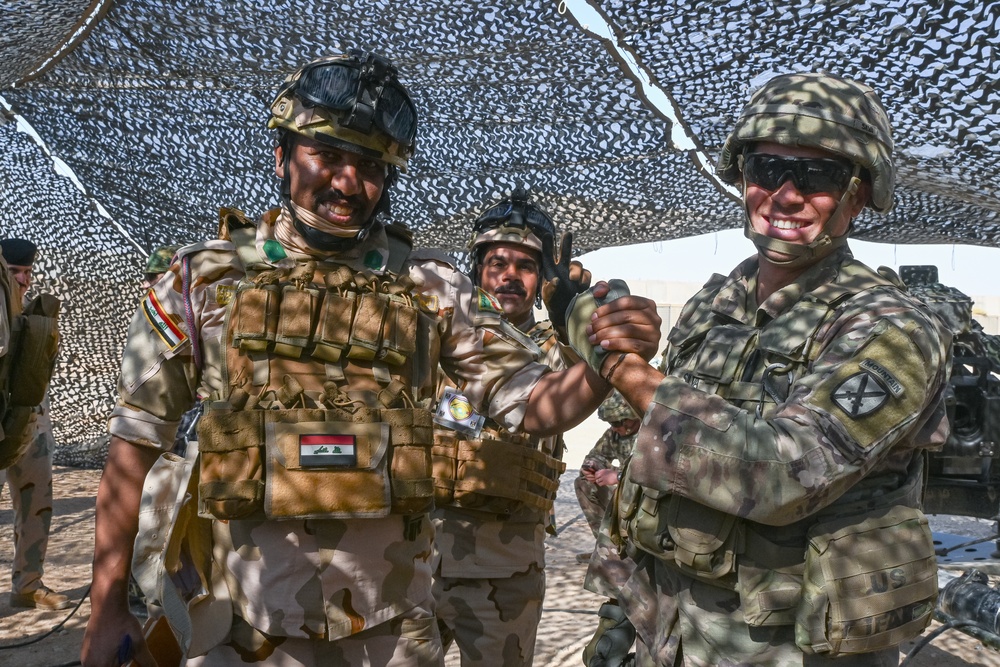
163	324
487	303
859	395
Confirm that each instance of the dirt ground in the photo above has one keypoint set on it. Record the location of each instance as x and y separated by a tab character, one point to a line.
567	622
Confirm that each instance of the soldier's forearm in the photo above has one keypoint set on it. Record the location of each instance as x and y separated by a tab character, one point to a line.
562	400
117	520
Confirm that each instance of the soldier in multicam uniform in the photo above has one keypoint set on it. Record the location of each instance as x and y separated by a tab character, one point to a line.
598	475
30	477
315	337
495	489
770	512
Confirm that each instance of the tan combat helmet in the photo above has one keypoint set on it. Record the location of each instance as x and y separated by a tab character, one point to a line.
514	219
354	102
615	409
820	111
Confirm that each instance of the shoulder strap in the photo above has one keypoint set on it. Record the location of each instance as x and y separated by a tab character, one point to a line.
400	245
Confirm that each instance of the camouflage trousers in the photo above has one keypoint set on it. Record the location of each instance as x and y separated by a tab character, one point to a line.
493	621
30	483
594	501
409	640
713	632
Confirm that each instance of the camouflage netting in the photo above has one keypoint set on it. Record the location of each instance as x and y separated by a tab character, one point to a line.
158	108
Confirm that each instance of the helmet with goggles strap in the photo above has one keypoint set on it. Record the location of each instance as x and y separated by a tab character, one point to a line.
354	103
514	219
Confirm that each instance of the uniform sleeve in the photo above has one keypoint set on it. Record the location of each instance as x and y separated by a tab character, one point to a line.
490	361
877	382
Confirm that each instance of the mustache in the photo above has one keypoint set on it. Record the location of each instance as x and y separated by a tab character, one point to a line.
516	289
336	196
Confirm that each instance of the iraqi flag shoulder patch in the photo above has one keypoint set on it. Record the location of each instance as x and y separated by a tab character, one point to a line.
163	324
327	450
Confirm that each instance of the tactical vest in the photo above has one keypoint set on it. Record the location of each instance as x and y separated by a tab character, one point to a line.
330	378
770	567
498	473
26	368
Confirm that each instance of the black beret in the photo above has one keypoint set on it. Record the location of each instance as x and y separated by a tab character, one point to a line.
18	252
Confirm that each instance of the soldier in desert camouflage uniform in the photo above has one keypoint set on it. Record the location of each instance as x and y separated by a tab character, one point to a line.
489	580
30	478
315	337
598	475
770	512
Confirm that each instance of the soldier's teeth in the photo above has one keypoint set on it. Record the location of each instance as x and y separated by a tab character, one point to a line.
786	224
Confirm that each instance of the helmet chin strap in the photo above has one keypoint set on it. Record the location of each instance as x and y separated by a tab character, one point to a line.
801	255
316	238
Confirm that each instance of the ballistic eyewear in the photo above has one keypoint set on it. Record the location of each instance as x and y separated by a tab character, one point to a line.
516	212
810	175
364	84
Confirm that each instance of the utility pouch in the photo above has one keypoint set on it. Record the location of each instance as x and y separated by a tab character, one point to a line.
334	327
705	540
296	320
366	332
648	526
314	463
870	583
493	476
254	317
399	332
231	482
769	581
35	344
326	469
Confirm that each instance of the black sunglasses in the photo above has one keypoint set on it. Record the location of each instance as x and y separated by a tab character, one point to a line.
366	85
810	175
516	212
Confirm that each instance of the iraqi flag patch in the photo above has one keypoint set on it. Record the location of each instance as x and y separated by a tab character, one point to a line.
488	303
163	324
327	450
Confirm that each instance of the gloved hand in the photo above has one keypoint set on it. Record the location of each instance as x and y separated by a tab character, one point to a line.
578	314
562	279
610	644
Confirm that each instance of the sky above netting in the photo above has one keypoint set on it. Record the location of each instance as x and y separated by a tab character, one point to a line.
159	108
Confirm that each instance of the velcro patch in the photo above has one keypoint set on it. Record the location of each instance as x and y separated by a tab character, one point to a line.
162	323
488	303
869	400
327	450
859	395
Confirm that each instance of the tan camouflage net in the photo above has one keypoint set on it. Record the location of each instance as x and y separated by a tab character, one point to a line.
159	108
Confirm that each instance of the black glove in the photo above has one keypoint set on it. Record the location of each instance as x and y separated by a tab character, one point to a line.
561	280
611	642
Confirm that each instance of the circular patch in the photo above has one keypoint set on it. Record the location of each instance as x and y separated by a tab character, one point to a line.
460	408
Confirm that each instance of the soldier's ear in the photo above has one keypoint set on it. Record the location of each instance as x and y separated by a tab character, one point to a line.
279	161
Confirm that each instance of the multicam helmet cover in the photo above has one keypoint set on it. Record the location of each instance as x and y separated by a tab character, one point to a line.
615	409
821	111
513	219
353	102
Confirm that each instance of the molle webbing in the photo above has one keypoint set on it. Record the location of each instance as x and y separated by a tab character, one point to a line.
497	474
241	448
360	316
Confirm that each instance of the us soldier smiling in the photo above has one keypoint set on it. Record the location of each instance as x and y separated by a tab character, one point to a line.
770	512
